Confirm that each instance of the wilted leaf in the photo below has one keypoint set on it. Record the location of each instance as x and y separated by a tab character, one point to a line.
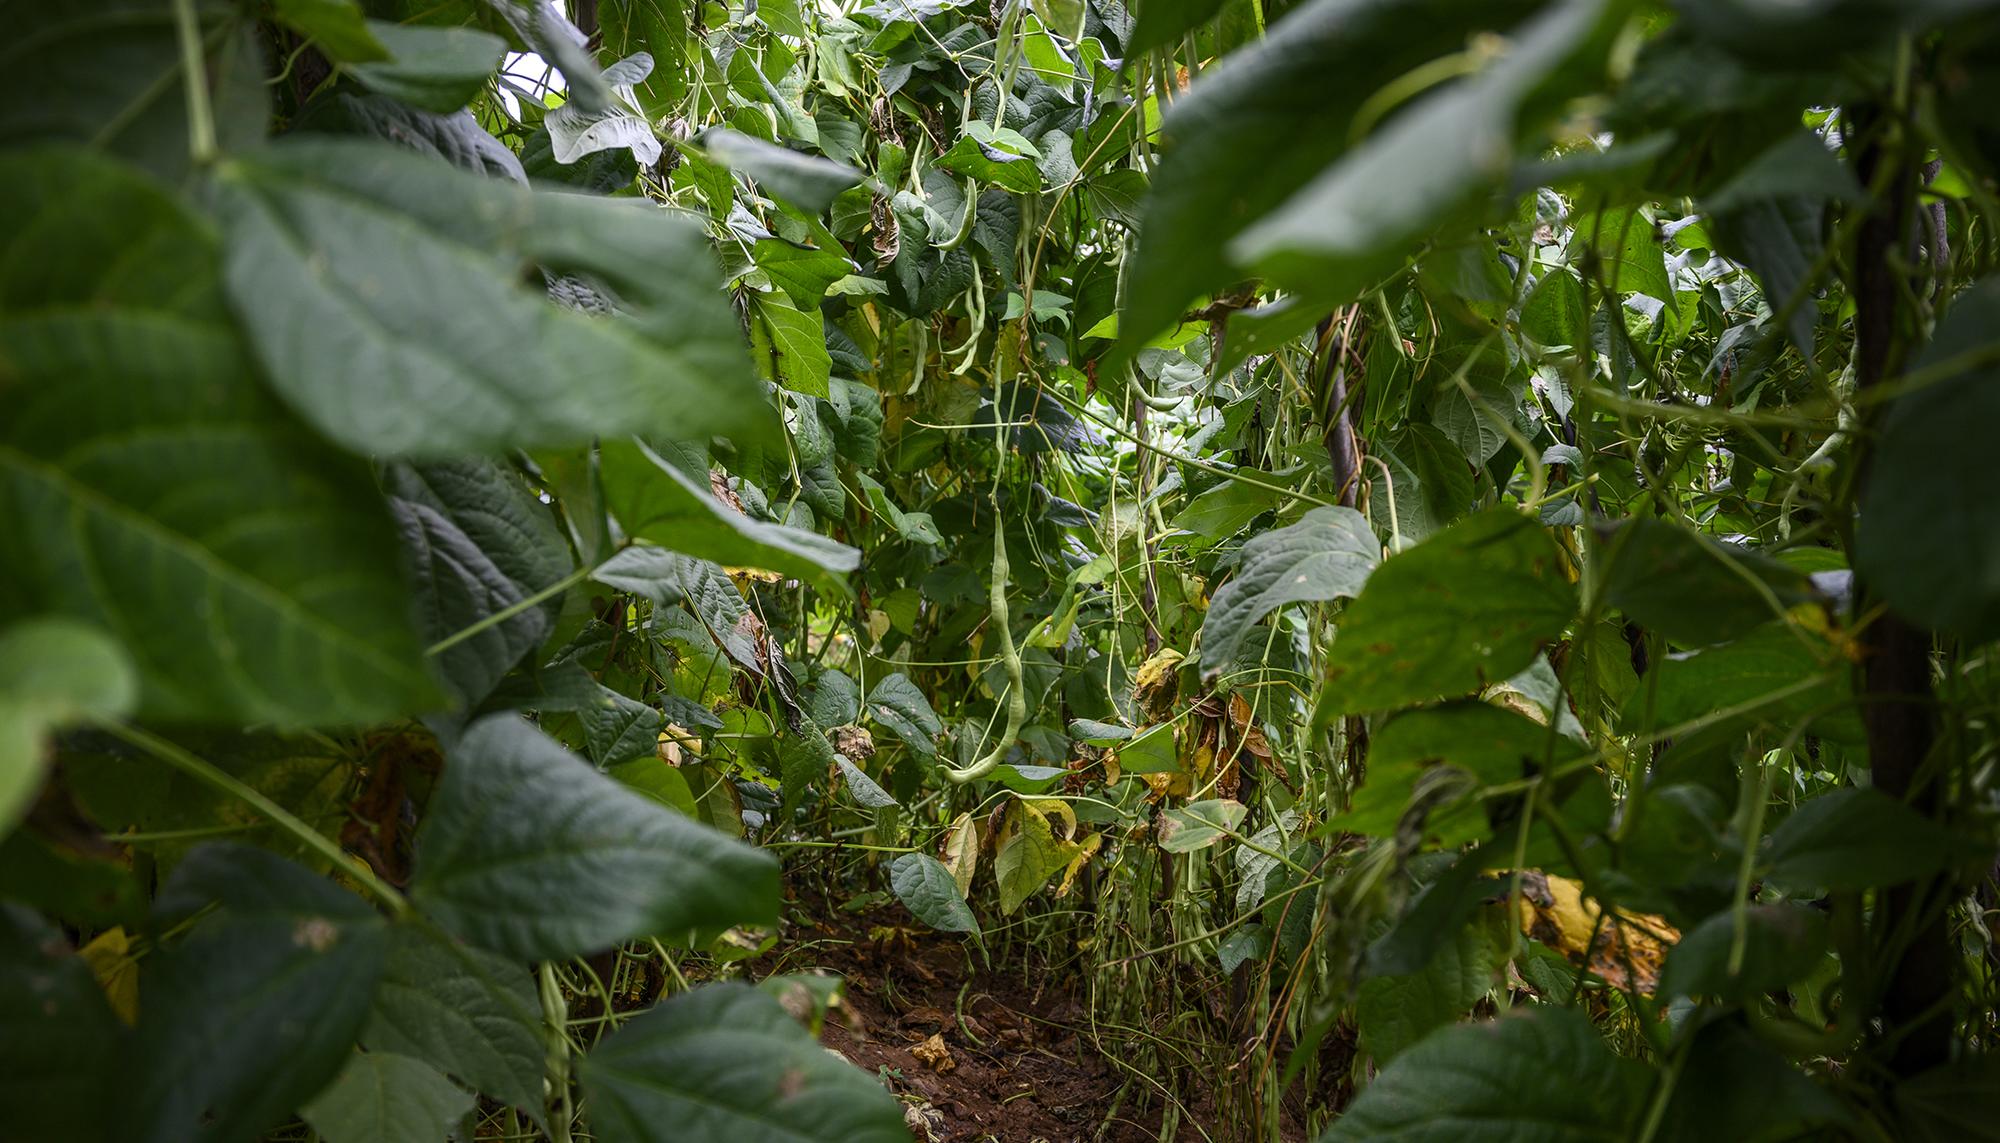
1185	829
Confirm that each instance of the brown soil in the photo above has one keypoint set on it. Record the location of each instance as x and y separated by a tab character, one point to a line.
976	1056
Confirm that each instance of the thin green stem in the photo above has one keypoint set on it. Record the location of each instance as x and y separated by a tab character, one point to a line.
194	70
510	611
208	774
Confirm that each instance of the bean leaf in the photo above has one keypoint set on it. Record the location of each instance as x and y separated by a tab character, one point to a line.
340	256
924	885
726	1063
1328	554
1467	607
1541	1074
529	851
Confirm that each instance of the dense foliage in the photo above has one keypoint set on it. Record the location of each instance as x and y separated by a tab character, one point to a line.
1462	528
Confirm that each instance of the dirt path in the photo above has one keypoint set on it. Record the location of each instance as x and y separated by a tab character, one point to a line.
975	1055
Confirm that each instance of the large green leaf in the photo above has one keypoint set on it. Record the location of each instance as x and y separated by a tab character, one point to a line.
1629	257
1242	140
1486	744
381	1097
618	728
150	488
1360	218
1782	943
1326	555
1467	607
470	1013
258	1007
1775	675
804	181
382	293
1000	156
457	138
897	703
704	587
337	28
576	132
477	542
652	500
924	885
1775	34
1394	1012
804	273
1736	1086
865	790
59	1042
1692	589
1430	482
1222	511
52	672
656	26
1956	1103
1856	839
1166	21
726	1064
436	69
548	33
790	345
529	851
804	761
1929	533
1769	216
1539	1074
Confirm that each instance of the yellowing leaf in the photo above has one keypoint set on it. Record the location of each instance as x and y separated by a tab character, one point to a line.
1026	858
109	956
961	851
1629	950
1083	851
1156	686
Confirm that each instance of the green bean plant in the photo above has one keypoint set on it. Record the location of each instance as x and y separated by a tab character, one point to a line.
1439	558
